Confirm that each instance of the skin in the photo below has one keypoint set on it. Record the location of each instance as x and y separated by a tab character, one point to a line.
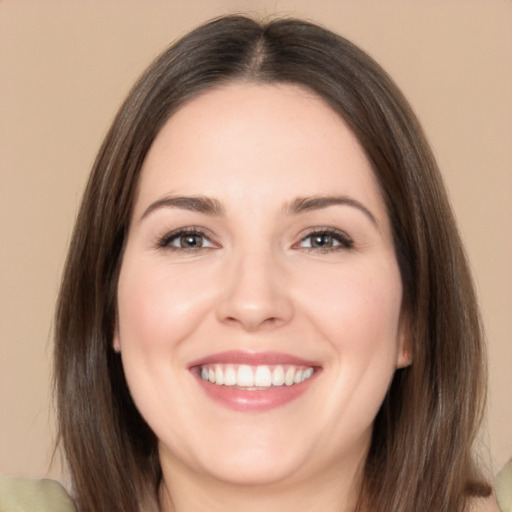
257	285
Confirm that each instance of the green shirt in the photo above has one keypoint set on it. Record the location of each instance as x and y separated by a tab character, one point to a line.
504	488
27	495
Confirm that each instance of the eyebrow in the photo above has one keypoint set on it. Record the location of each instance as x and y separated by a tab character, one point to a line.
303	204
198	204
210	206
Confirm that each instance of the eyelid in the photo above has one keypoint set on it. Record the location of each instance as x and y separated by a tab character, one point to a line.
345	241
164	242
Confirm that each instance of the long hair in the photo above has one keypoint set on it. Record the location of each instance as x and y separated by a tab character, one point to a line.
420	456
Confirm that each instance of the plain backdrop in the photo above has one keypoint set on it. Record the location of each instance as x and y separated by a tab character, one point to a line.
66	66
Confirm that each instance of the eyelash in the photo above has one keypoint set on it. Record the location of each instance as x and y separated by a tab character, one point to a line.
166	241
343	240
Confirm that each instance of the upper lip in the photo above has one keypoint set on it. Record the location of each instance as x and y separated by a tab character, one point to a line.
252	359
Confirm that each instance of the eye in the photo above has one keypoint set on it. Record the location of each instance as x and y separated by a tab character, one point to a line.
326	240
186	239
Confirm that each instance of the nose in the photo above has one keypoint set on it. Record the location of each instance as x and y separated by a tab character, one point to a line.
255	294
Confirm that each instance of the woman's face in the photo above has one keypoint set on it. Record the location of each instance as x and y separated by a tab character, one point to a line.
260	257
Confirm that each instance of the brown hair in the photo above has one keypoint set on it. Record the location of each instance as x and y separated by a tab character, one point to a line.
420	457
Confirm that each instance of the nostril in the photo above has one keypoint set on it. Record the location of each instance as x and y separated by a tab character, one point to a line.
254	323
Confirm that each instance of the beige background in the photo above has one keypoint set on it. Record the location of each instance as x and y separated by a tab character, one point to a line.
65	66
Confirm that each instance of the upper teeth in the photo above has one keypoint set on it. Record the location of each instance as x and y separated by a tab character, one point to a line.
246	376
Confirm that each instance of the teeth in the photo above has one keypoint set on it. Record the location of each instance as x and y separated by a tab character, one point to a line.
219	375
229	376
278	376
263	376
288	376
244	376
307	374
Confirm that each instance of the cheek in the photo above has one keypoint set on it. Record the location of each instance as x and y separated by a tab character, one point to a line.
159	307
358	308
358	314
157	311
357	311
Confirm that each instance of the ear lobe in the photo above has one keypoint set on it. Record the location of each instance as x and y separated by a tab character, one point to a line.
404	357
116	343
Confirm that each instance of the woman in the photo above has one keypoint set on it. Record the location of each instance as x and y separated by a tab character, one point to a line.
266	303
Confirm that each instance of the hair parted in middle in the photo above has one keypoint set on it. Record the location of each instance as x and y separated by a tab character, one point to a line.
420	457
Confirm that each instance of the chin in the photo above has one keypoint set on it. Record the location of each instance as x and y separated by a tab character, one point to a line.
239	459
253	470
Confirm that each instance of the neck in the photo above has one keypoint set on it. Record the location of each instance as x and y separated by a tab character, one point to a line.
332	491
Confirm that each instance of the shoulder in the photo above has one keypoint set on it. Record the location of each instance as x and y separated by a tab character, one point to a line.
504	488
483	505
27	495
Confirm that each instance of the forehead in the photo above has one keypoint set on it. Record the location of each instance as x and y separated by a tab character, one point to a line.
252	140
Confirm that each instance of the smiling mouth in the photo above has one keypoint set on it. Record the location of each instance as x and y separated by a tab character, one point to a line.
255	378
254	382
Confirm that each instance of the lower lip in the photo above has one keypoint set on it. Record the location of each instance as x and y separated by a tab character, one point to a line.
243	400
